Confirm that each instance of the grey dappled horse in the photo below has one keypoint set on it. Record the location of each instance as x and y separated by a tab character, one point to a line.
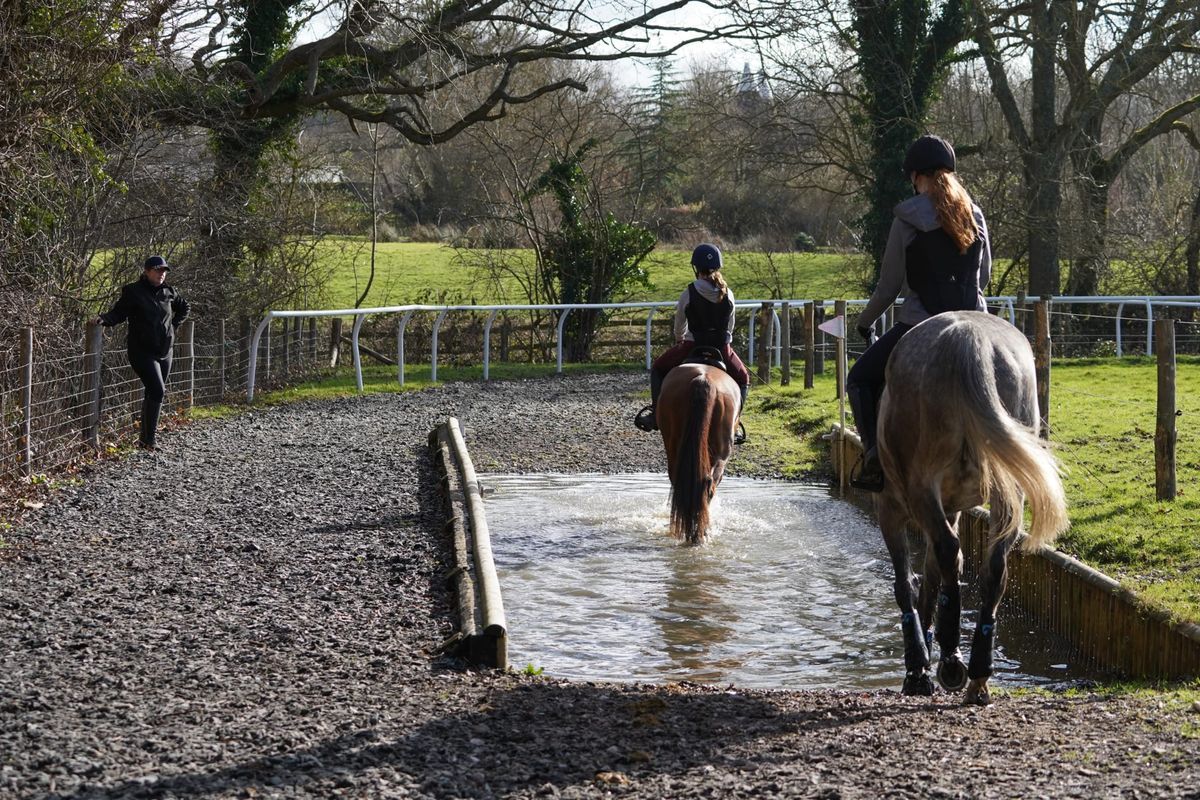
958	426
697	414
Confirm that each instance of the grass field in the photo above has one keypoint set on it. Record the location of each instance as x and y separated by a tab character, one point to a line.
1102	417
412	272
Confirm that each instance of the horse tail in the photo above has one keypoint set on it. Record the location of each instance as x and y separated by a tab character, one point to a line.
693	468
1013	459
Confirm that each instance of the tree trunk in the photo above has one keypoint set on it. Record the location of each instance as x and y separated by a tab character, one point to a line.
225	201
904	49
1090	262
1045	156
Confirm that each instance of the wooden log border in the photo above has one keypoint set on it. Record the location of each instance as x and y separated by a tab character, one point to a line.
1107	624
482	636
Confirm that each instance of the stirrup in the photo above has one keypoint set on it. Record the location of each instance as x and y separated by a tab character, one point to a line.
645	420
739	435
871	483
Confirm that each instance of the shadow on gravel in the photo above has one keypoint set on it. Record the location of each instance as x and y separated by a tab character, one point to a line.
539	737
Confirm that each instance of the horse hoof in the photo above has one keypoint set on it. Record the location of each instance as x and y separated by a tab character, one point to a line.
952	673
917	685
977	694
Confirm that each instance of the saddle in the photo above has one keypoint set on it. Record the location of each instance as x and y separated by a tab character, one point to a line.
709	356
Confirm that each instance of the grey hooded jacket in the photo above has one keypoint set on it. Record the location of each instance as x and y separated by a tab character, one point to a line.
915	213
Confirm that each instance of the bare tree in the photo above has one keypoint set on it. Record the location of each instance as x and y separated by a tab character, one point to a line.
1083	59
429	71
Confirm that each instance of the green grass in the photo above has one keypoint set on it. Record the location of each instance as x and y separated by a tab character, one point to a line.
784	426
1102	415
412	272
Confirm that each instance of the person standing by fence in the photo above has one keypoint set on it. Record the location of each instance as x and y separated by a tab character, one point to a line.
154	310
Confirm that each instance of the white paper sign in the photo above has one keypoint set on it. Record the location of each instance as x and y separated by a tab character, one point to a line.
834	327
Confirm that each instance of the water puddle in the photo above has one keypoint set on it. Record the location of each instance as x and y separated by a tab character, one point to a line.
793	590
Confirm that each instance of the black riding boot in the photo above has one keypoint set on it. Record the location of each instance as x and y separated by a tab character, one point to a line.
646	419
864	402
739	436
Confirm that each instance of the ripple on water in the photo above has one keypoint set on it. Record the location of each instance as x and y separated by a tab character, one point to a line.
793	589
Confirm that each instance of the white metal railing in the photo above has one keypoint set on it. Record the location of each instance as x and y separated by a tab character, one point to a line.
406	312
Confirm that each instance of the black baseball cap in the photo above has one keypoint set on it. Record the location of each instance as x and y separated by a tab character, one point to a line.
156	262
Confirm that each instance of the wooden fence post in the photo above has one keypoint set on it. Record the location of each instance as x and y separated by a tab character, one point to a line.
809	344
93	348
819	338
839	310
335	341
189	352
1019	311
785	355
764	343
312	339
1164	429
1041	360
27	402
505	334
220	359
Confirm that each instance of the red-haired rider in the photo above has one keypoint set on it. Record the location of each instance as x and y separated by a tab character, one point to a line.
939	259
703	316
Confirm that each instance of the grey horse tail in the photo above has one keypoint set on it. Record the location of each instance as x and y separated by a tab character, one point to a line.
693	467
1013	460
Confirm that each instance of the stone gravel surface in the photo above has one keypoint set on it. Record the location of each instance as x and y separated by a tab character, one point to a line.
256	611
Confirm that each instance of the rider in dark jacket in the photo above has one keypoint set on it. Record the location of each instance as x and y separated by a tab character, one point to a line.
937	258
154	310
704	317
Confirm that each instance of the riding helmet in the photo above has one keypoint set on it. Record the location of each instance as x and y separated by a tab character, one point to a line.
927	154
706	258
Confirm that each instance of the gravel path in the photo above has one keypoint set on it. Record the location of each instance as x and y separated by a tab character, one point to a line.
256	612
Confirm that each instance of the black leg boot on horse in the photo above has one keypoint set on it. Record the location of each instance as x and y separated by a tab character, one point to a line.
864	403
647	419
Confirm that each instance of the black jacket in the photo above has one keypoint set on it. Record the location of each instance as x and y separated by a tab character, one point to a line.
153	313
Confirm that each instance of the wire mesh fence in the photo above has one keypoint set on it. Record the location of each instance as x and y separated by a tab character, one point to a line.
57	410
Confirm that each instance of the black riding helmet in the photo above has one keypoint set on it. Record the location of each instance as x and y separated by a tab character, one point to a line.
927	154
706	258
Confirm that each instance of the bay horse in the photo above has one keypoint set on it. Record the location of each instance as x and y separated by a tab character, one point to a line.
697	413
958	426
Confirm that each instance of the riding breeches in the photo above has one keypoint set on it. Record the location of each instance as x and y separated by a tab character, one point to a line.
869	369
677	354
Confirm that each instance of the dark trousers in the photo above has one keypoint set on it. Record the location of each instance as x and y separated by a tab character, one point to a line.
865	381
154	372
